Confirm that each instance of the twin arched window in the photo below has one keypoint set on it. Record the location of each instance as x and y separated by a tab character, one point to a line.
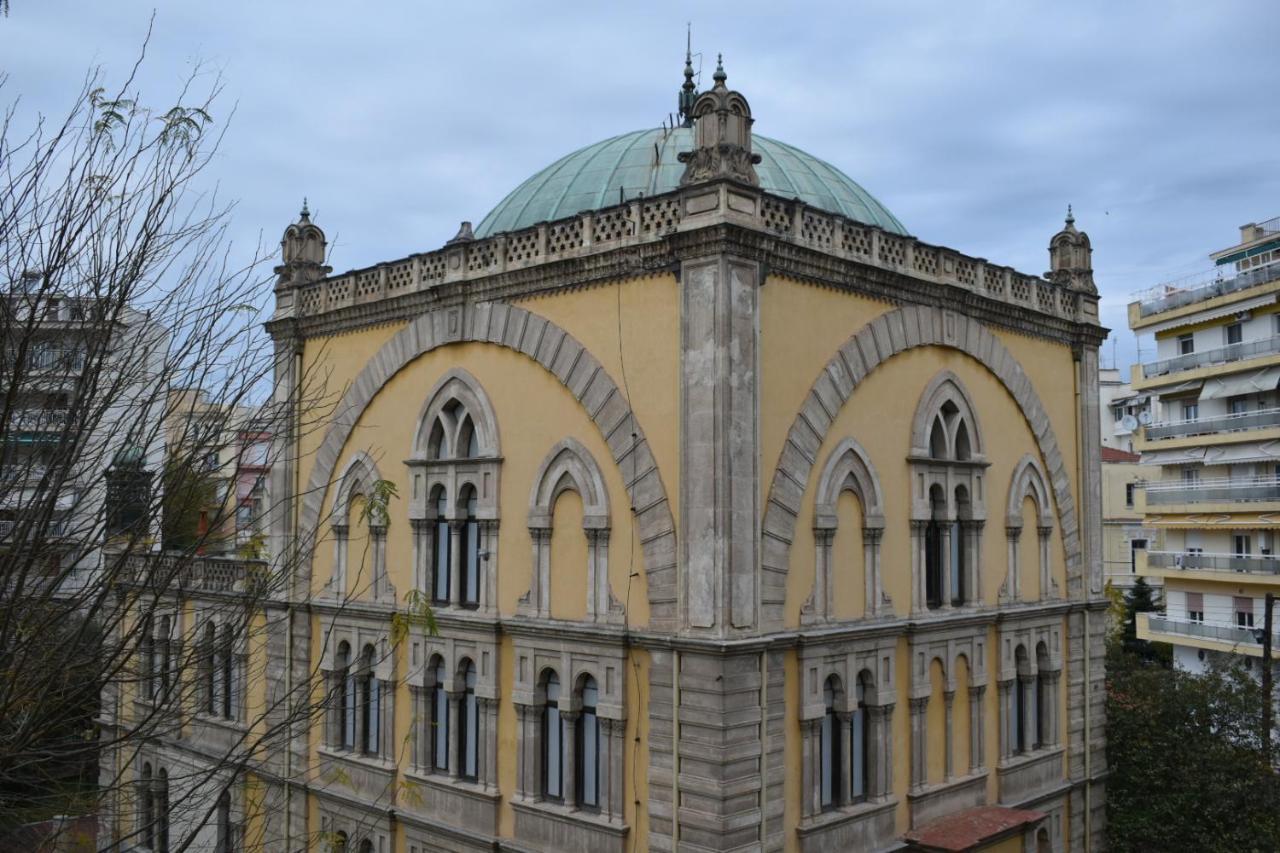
219	672
468	555
357	700
580	732
465	755
1034	698
844	783
153	796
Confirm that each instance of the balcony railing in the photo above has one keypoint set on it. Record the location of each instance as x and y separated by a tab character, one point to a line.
1228	633
1221	355
1257	563
1202	287
11	475
1206	426
56	527
201	574
39	420
70	358
1213	491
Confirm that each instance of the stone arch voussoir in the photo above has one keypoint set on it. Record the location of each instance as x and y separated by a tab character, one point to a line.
569	361
881	339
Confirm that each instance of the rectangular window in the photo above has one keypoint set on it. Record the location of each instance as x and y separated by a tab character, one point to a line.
1191	411
1129	489
1238	405
1243	606
1235	333
1190	476
1195	606
1186	344
1241	545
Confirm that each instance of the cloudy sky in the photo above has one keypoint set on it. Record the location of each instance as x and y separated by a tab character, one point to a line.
975	123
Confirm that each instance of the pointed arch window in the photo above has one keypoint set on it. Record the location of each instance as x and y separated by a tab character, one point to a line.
147	815
1022	703
148	656
552	742
230	686
226	841
162	812
587	748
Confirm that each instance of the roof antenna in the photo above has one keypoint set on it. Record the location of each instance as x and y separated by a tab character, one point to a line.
688	91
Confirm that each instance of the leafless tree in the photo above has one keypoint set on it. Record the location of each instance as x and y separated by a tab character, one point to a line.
123	623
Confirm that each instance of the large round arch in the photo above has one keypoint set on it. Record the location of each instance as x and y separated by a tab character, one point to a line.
884	337
569	361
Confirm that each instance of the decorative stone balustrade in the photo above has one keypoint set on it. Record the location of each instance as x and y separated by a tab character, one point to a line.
174	572
647	220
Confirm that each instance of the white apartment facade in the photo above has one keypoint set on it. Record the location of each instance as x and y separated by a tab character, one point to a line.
1214	449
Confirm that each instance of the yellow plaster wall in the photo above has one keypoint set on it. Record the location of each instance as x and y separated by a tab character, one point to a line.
961	719
801	328
847	565
1029	551
568	559
890	394
649	348
936	721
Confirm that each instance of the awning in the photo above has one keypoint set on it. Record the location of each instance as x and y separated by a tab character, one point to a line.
1256	382
1235	454
1182	456
1189	387
1131	400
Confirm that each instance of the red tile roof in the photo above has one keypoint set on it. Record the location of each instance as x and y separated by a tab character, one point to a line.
1110	454
968	829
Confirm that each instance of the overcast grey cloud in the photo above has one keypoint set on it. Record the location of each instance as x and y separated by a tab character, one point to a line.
976	124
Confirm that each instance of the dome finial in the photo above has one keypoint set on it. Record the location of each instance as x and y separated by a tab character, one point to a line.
1071	220
688	91
720	76
305	214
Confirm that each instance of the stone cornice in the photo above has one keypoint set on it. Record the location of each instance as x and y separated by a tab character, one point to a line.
786	237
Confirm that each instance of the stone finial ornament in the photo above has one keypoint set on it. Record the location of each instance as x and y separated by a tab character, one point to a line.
722	136
1071	258
464	235
688	91
302	251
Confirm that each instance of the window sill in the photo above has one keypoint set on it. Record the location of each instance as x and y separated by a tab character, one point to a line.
1035	756
831	818
220	721
374	763
566	814
455	785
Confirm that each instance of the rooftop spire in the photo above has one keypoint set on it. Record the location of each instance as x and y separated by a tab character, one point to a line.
305	214
720	76
688	92
1071	220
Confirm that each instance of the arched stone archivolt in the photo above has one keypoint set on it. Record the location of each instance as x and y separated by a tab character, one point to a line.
884	337
571	467
848	469
1028	480
357	481
559	353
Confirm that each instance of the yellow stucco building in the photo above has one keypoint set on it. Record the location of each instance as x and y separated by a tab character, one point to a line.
749	522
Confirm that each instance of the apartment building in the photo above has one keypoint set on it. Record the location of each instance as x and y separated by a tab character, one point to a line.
79	438
1214	450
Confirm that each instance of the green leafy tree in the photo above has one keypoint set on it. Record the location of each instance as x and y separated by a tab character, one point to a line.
1186	765
1141	599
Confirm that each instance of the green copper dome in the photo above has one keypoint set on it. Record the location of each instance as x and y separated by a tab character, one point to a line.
592	177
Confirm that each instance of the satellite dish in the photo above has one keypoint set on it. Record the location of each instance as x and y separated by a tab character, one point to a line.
1129	422
1144	417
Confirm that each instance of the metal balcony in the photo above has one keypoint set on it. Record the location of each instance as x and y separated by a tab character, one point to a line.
38	420
1208	426
1233	634
1202	287
1256	563
1252	489
1221	355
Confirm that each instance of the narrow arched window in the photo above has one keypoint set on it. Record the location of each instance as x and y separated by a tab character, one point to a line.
438	443
146	795
470	551
229	686
964	448
587	748
209	661
859	743
148	655
439	719
370	703
468	439
226	832
829	768
366	846
552	747
1021	690
1044	697
960	548
339	842
440	590
346	700
469	720
938	440
162	812
166	654
933	554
